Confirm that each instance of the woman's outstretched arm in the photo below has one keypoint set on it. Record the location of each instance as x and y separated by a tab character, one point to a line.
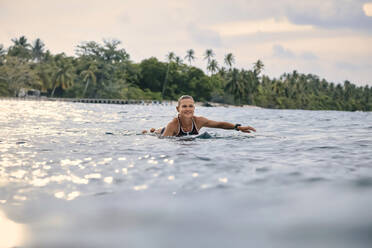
204	122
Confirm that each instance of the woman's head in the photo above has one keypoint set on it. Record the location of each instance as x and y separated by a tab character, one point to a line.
184	97
186	106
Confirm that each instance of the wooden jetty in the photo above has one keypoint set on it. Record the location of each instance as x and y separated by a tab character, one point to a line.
91	100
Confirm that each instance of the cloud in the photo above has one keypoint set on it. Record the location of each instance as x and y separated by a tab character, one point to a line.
308	56
349	66
330	14
205	37
281	52
358	73
270	25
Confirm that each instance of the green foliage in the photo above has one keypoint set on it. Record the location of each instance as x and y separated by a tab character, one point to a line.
136	93
152	73
21	48
15	74
212	66
105	71
37	51
89	76
63	76
2	53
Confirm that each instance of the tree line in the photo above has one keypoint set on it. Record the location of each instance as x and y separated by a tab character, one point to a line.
106	71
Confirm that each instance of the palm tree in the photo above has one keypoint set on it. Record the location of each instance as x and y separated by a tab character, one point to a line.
37	49
229	60
170	57
89	76
2	53
111	52
63	76
213	66
258	67
45	73
250	85
190	55
235	85
222	72
2	50
208	55
22	41
178	60
21	48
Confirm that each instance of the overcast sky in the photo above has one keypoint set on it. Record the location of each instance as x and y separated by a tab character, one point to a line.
329	38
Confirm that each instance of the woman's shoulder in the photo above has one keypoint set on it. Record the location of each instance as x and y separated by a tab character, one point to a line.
173	122
200	120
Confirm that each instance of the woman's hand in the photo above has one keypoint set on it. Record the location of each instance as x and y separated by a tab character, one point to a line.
246	129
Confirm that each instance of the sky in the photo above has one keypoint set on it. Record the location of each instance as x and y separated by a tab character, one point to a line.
328	38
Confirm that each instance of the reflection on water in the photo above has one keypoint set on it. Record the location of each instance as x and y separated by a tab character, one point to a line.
12	234
81	175
316	218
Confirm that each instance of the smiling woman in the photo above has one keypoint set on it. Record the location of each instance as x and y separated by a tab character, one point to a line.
367	8
186	123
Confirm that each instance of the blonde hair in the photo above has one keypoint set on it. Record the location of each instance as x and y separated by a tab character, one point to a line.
184	97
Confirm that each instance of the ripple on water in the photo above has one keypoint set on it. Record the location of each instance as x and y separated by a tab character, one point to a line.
364	182
315	180
323	148
262	169
203	158
295	174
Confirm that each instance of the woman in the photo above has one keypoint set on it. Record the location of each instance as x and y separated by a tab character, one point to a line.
188	124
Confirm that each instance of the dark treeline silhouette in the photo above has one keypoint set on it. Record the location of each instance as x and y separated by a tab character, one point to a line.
106	71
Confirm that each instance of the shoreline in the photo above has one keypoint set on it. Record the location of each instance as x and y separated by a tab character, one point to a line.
121	101
215	104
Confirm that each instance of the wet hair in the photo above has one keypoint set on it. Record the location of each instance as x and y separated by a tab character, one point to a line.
184	97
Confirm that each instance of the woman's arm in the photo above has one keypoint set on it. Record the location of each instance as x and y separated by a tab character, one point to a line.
204	122
171	129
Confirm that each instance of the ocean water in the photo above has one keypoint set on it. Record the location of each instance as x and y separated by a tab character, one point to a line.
83	175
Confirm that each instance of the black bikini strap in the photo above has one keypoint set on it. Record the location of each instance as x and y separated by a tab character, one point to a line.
192	127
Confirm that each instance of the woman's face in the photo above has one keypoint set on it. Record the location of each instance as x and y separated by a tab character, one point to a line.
186	108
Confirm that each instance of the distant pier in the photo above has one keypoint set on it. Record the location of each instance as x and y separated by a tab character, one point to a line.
114	101
91	100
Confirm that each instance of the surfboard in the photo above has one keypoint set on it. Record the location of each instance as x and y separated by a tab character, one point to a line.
204	135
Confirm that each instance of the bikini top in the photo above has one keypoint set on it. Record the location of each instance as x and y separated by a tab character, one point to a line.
193	131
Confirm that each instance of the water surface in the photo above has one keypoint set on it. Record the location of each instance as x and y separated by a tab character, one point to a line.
83	175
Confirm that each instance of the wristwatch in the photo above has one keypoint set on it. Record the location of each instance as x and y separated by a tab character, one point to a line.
236	127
